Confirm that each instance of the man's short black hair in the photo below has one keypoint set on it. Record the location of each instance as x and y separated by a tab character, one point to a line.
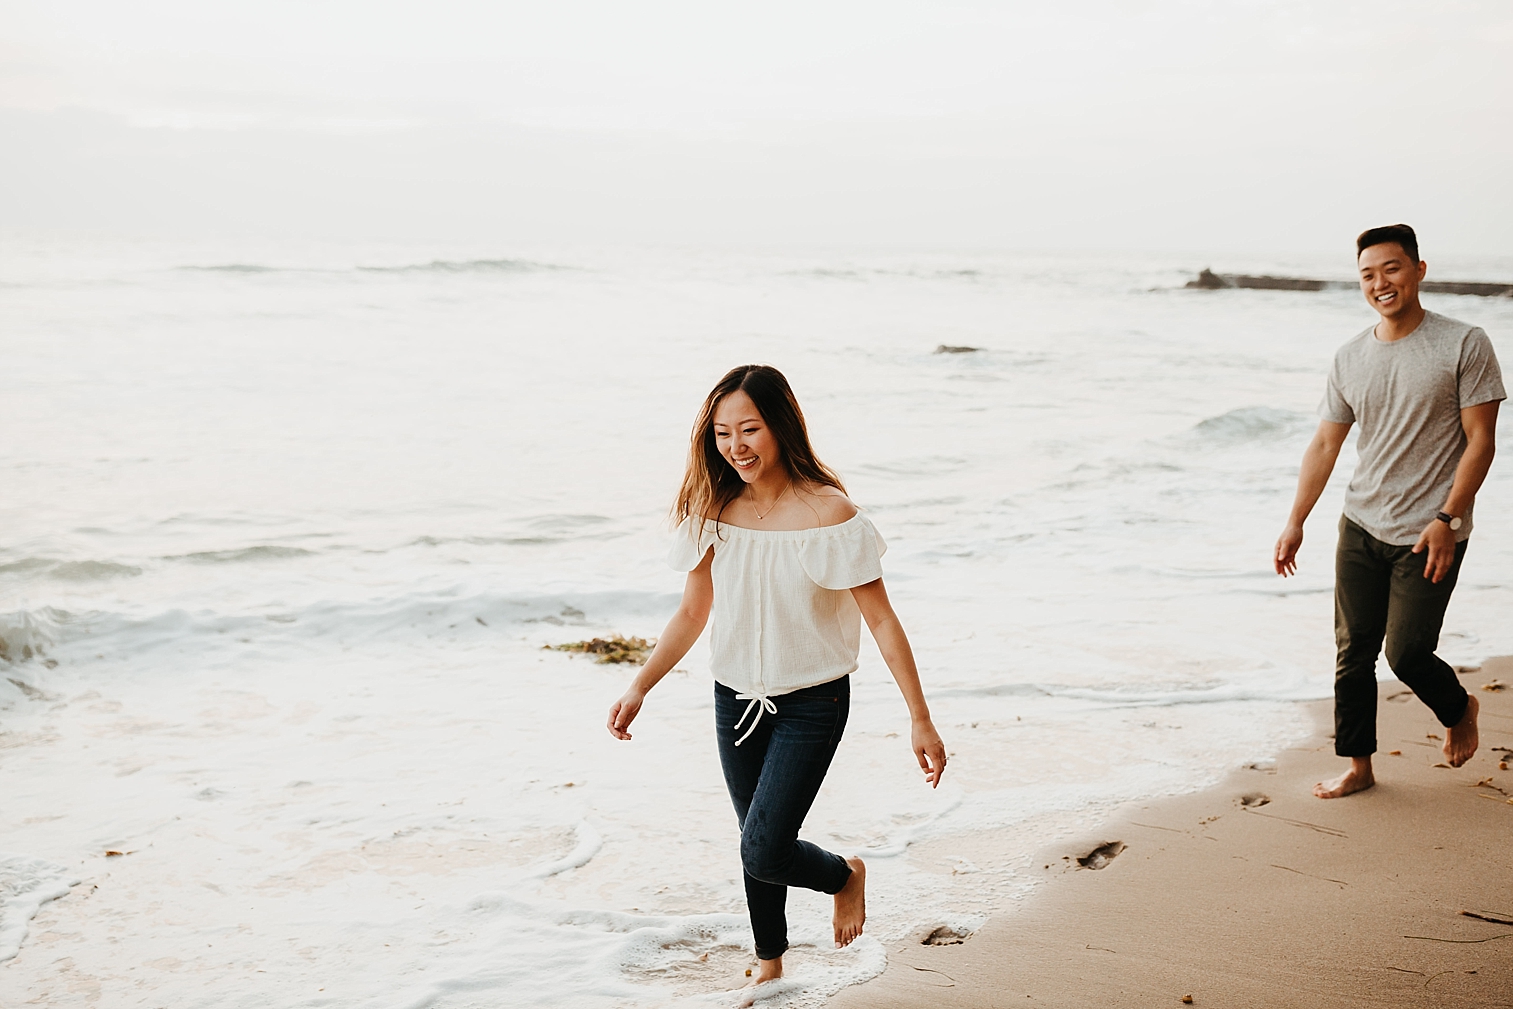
1399	233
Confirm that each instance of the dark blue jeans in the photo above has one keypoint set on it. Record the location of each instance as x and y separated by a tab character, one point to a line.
773	777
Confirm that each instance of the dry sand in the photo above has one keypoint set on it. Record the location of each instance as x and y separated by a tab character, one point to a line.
1296	902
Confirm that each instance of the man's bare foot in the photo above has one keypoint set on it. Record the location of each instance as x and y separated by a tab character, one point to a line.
767	970
1461	739
1357	779
851	905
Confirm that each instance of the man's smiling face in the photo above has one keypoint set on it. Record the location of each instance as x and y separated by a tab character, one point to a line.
1389	279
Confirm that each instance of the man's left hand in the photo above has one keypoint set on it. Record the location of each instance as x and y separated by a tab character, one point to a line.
1439	540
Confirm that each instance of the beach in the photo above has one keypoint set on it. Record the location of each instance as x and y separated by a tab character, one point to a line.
353	356
1256	894
291	529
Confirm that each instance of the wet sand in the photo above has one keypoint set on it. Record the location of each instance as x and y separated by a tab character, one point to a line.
1288	900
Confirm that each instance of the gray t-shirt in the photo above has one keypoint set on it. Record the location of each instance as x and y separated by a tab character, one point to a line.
1407	396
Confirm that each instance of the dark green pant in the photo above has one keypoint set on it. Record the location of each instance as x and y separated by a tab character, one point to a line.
1381	594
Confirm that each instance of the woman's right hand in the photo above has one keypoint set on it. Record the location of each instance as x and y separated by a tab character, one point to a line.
623	712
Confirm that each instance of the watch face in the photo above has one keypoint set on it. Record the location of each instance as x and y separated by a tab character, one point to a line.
1455	522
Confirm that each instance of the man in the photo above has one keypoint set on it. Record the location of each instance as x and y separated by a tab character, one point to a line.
1425	390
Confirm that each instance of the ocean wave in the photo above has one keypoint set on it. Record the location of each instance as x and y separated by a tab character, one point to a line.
94	570
964	274
434	266
417	618
929	465
1294	687
545	529
996	690
1252	423
468	266
827	274
928	502
26	564
235	268
83	571
488	541
70	571
568	521
843	273
257	553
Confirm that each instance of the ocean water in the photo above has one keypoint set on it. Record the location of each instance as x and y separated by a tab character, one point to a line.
287	526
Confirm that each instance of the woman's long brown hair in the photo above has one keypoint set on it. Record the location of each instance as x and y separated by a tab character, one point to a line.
710	483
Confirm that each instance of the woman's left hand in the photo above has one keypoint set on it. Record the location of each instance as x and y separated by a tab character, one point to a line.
929	751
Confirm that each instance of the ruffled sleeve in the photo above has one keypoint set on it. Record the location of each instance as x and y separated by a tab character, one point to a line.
689	545
844	556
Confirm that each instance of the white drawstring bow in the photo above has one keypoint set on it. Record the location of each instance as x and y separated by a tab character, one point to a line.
761	702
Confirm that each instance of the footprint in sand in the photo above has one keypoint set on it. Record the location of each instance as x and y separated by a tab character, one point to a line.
945	935
1101	855
1254	800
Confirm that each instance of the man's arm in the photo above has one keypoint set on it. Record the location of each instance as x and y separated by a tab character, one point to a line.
1318	463
1480	424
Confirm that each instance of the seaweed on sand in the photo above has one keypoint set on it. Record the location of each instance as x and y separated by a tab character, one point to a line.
614	648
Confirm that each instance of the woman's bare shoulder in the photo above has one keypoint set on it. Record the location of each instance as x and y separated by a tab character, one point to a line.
716	512
832	505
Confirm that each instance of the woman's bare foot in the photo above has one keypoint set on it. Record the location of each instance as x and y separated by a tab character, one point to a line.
1461	739
1357	779
767	970
851	905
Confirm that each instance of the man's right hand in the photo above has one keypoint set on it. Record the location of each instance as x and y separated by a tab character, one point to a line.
1438	541
1286	555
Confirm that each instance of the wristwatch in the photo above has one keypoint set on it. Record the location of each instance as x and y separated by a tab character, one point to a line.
1453	521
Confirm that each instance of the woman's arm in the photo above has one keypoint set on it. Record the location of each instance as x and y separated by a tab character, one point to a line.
682	631
872	599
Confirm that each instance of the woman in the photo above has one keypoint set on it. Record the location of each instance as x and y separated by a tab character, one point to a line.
772	544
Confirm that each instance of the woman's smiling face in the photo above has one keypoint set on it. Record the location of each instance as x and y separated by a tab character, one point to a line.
745	440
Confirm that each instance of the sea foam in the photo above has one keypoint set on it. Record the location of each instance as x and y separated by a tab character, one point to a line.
26	883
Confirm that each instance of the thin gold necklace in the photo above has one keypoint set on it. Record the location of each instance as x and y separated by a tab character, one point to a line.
761	517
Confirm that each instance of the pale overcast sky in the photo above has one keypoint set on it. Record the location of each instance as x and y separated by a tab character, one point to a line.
1085	124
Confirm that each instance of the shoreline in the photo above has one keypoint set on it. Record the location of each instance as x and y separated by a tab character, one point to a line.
1255	893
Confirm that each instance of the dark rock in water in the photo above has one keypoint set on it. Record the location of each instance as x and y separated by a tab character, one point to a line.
1208	280
1277	283
947	348
1467	287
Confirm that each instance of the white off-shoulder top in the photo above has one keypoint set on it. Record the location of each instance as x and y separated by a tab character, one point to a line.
784	618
